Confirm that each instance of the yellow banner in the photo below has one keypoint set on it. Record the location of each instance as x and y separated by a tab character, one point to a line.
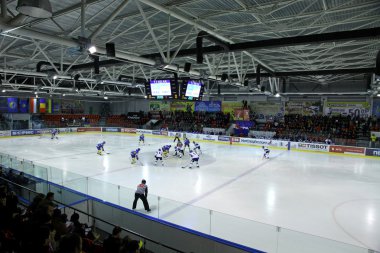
182	106
159	106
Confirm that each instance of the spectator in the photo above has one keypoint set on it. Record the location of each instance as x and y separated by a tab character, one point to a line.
113	243
70	243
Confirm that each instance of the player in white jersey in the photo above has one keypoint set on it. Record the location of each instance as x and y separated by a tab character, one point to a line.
194	158
158	156
266	152
197	148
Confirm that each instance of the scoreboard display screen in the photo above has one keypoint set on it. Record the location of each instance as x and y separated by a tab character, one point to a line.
161	89
192	90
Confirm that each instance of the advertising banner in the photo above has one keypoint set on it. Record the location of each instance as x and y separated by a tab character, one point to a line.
182	106
255	141
223	138
143	131
235	139
209	137
229	107
89	129
24	132
376	108
268	111
5	133
347	150
305	108
372	152
42	105
354	109
128	130
156	132
164	133
313	146
241	114
111	129
133	115
159	106
209	130
208	106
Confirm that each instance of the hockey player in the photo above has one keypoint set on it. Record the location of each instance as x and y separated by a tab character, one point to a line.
176	137
197	148
135	155
54	133
100	147
266	152
187	143
165	150
194	158
158	156
142	139
179	149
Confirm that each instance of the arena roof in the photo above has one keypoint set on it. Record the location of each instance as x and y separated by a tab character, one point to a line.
303	45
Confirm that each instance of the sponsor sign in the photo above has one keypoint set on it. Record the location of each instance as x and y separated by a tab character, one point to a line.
354	109
4	133
235	139
223	138
372	152
345	149
24	132
111	129
156	132
313	146
143	131
255	141
67	130
164	133
128	130
208	106
209	137
89	129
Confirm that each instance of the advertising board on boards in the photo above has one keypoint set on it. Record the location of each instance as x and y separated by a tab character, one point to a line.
313	146
372	152
111	129
345	149
89	129
128	130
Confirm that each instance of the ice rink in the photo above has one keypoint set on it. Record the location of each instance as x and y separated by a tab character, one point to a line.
329	196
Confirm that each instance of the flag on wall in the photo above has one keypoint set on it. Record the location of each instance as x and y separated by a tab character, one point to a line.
23	105
33	105
49	105
42	105
12	105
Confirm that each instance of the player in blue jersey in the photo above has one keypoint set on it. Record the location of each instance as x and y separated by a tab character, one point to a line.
100	147
165	150
142	139
54	133
266	152
187	143
135	155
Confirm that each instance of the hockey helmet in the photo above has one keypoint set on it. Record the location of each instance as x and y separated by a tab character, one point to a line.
138	149
104	142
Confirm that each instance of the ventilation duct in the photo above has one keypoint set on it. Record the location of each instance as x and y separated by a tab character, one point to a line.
35	8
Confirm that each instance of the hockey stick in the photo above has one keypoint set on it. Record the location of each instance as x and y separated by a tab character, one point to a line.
187	165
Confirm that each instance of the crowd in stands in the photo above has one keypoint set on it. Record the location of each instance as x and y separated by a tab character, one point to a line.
194	121
41	227
64	120
131	120
318	128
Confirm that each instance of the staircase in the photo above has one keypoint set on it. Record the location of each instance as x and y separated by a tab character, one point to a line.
102	121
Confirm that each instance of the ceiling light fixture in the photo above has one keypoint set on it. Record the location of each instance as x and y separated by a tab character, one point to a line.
92	49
